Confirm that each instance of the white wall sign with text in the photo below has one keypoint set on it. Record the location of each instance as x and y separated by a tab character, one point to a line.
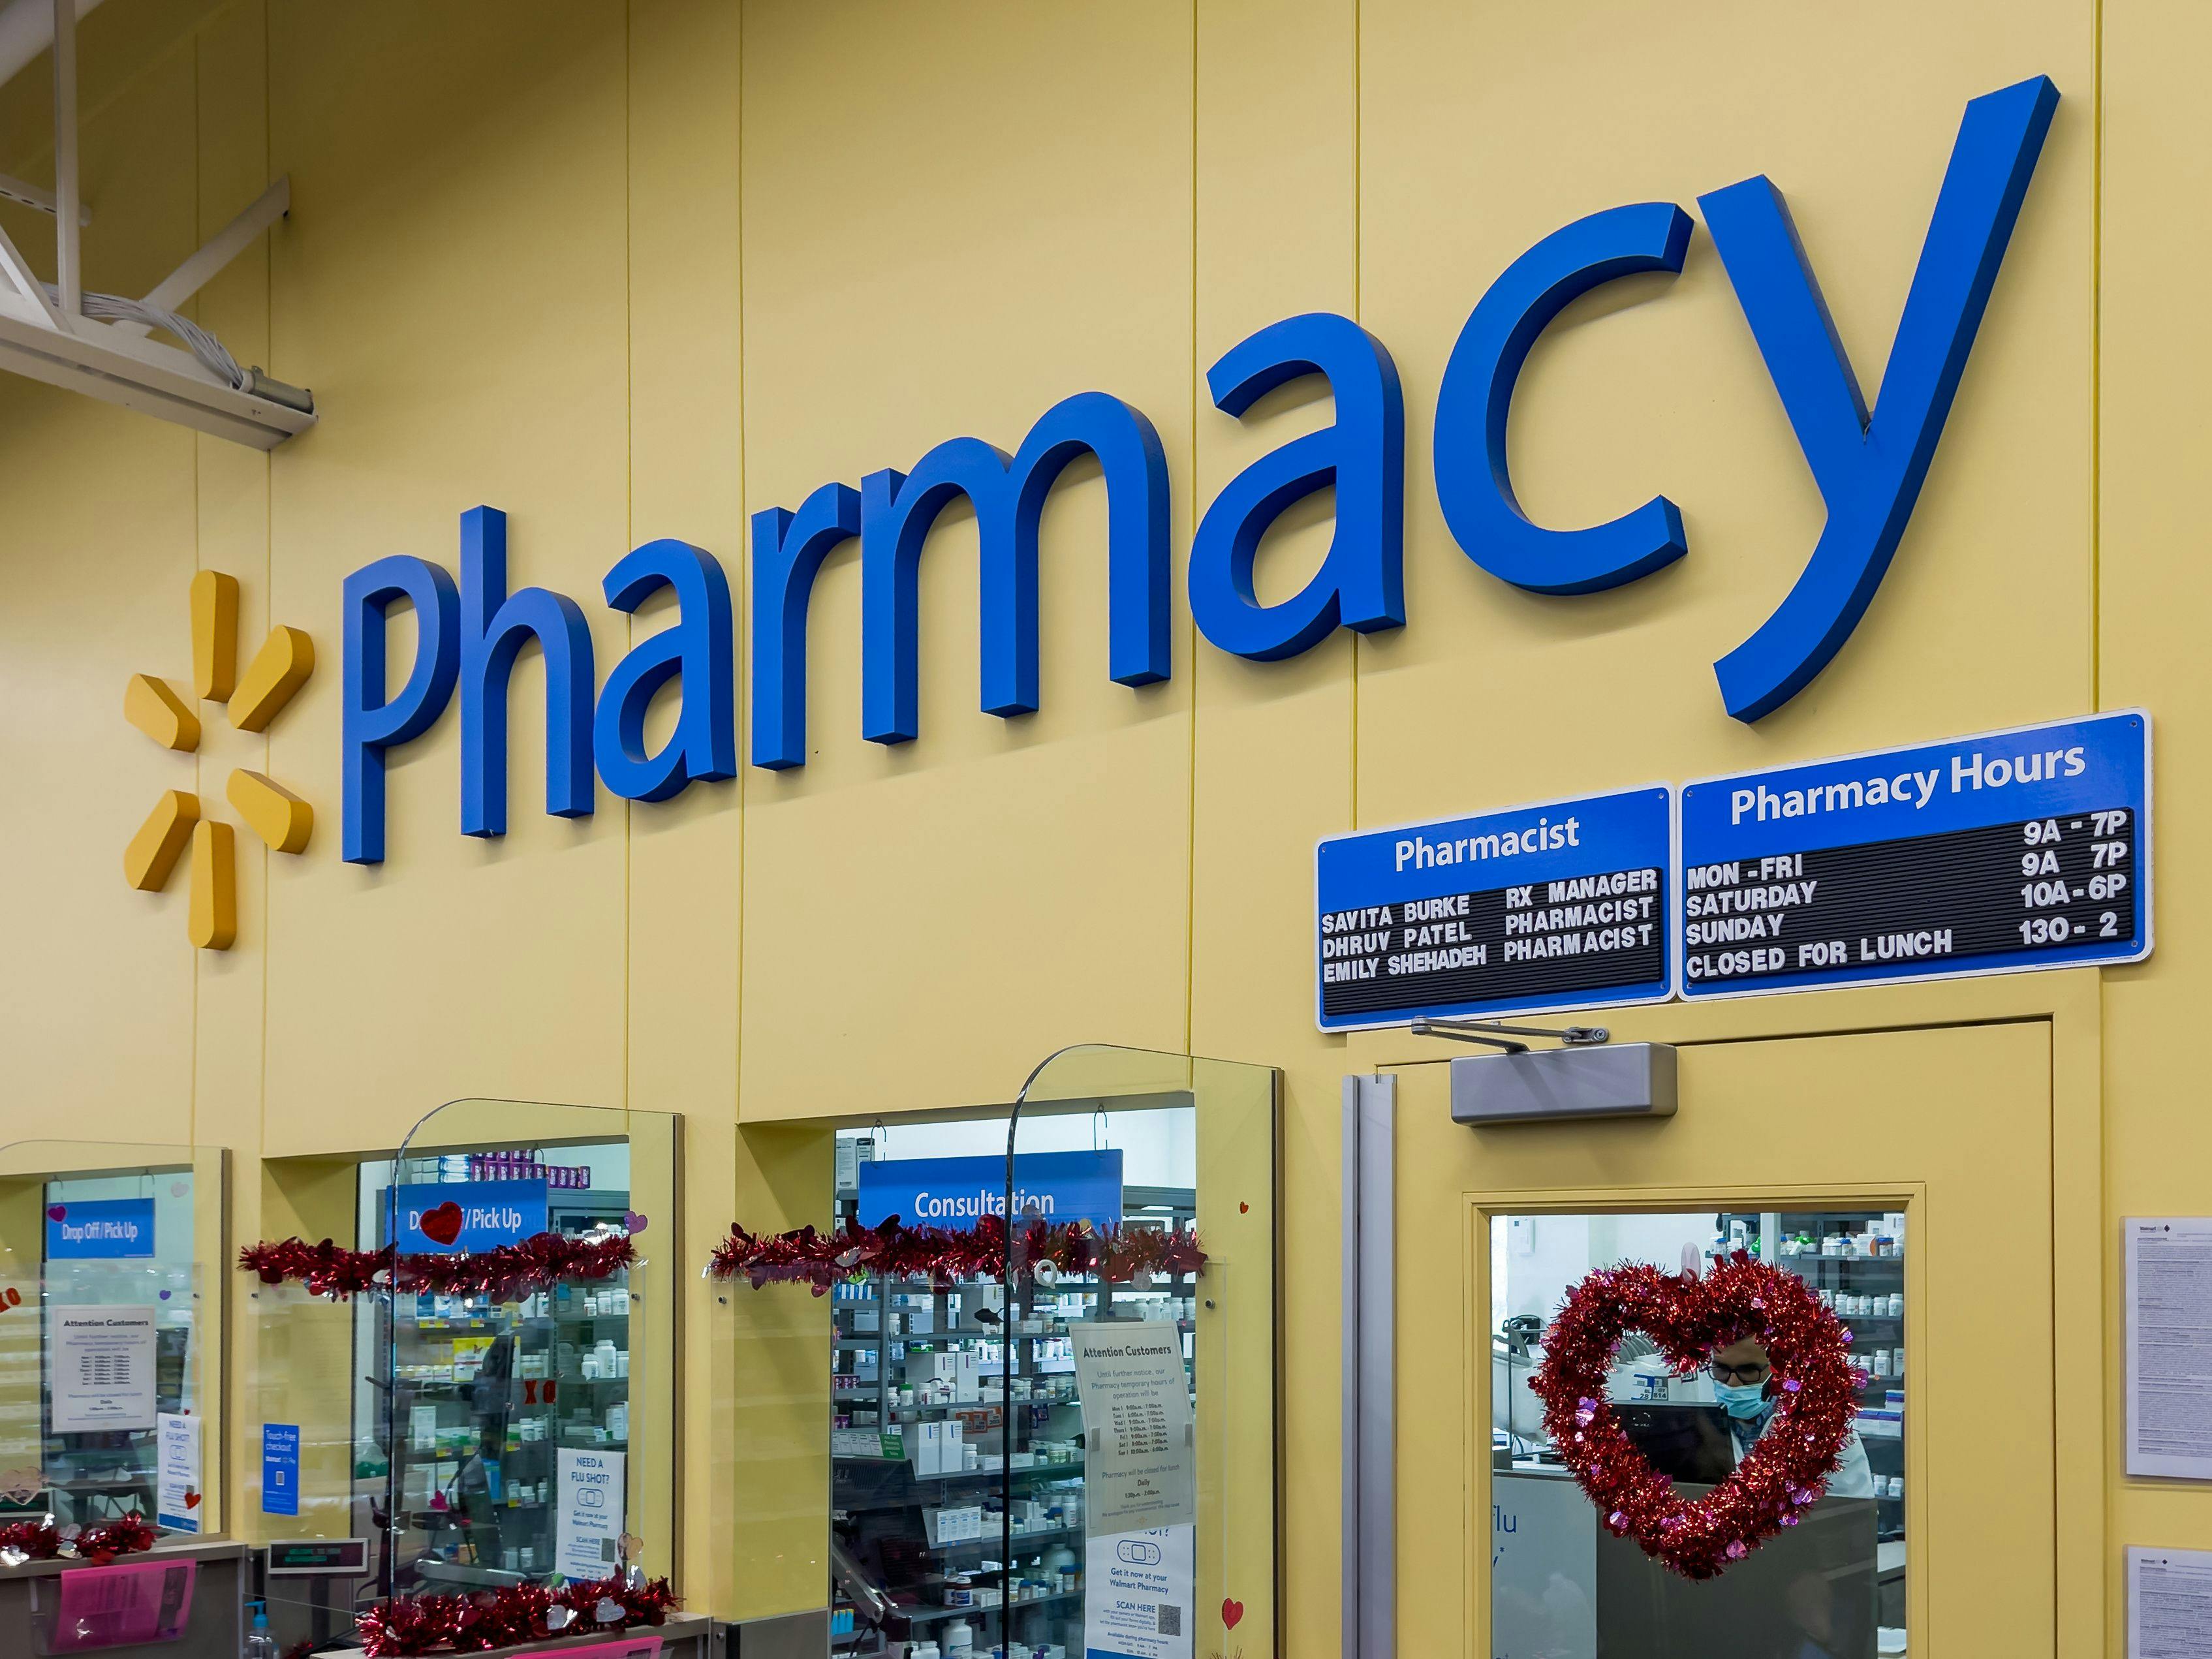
102	1361
587	1487
1139	1448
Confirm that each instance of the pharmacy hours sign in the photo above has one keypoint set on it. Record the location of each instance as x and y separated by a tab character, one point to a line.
1551	906
2012	850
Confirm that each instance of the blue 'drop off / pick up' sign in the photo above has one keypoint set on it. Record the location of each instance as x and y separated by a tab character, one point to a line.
1547	908
1995	853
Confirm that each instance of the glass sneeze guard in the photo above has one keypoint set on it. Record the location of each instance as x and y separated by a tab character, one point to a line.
111	1332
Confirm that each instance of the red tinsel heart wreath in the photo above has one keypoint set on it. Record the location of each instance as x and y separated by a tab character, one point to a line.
1785	1472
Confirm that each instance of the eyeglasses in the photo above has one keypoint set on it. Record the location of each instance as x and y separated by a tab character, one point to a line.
1756	1371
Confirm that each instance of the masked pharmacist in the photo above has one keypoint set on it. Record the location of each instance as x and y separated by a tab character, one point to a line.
1743	1381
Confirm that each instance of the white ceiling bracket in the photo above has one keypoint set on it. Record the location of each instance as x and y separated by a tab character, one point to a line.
63	335
226	244
32	196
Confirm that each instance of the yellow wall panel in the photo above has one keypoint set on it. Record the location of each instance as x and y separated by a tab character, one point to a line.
465	254
2156	344
1278	183
1490	696
686	857
954	218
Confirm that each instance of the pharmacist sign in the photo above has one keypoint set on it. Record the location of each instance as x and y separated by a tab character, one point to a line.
1558	905
958	1192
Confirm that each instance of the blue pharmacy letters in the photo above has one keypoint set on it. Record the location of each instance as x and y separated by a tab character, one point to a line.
1869	463
956	1193
1554	906
100	1229
487	1214
2007	851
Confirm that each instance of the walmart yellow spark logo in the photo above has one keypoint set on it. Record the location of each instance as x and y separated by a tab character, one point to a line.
273	812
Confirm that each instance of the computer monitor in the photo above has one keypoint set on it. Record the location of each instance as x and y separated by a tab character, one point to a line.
1688	1445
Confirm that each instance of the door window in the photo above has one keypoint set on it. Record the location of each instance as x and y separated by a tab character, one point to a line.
1565	1582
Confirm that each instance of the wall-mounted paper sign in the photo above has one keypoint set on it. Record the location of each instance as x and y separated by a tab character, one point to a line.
2169	1346
176	1473
587	1492
1139	1453
102	1369
2169	1604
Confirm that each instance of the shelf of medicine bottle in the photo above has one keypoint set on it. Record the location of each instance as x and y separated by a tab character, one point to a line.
931	1615
1791	1261
912	1413
990	1542
1068	1471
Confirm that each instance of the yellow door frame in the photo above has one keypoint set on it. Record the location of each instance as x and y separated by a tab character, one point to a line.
2089	1599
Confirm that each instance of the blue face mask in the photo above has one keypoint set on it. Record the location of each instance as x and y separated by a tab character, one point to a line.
1740	1400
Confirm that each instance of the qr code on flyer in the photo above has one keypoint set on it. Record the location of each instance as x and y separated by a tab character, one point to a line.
1170	1620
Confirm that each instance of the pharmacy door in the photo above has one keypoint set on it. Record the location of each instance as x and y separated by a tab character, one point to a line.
1905	1177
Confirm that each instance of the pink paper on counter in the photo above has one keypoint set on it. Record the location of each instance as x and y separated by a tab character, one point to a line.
122	1605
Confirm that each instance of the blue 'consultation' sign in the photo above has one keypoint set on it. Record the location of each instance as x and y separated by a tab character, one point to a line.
956	1193
1546	908
2012	850
99	1229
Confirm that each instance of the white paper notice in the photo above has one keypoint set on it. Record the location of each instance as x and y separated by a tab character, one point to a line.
1137	1593
2169	1604
587	1488
1139	1453
103	1368
2169	1346
177	1483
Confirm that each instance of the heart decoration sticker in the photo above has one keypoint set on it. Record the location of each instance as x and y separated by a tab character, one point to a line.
58	1212
1231	1611
1815	1388
442	1225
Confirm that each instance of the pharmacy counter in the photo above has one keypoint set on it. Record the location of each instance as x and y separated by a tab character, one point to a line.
182	1600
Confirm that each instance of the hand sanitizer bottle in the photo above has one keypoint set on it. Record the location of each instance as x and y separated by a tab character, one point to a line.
259	1643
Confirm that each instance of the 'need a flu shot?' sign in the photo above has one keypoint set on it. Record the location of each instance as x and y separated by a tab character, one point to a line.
2012	850
1548	908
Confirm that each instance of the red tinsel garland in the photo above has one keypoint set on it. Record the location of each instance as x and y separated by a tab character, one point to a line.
409	1626
39	1541
1117	1254
509	1270
1785	1471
